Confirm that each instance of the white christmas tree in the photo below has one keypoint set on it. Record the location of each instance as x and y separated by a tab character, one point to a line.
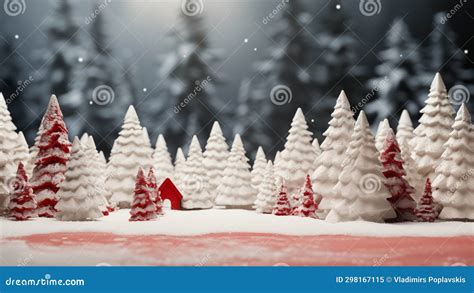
258	168
317	152
146	138
102	166
454	183
76	194
194	181
329	163
21	153
215	155
179	166
297	158
236	189
129	153
382	131
361	194
434	128
267	194
405	128
162	160
411	169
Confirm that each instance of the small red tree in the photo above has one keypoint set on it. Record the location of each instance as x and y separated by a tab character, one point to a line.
426	210
51	159
307	207
143	207
22	200
401	191
155	193
282	206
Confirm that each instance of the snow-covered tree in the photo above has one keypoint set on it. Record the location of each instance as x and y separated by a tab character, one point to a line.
162	160
360	192
258	168
130	152
382	132
411	169
146	139
194	182
434	128
426	209
405	129
77	200
22	202
51	160
454	183
21	153
329	163
102	166
402	192
267	194
143	207
282	206
155	193
317	152
215	155
235	188
399	78
307	207
179	166
297	158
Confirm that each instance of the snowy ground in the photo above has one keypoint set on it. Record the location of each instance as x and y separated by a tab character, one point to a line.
233	237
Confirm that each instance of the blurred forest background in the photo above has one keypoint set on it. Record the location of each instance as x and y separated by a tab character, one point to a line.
184	64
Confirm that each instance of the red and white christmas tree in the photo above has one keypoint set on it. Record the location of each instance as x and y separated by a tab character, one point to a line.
426	210
22	200
143	207
282	206
401	191
51	160
307	207
155	194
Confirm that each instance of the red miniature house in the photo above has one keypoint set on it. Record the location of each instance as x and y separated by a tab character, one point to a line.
170	192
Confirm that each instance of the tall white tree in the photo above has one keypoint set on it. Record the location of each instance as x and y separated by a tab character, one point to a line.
329	163
146	138
297	158
129	153
102	165
179	166
162	160
258	168
215	155
77	200
434	128
411	169
235	188
267	194
454	183
405	128
382	131
194	183
361	194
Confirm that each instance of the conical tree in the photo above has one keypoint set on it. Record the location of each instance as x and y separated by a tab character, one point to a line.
235	189
162	160
426	209
360	192
51	160
454	183
22	202
333	148
102	165
308	207
317	152
382	132
298	156
194	183
143	207
402	192
77	197
130	153
155	194
282	206
215	155
267	194
258	169
179	166
434	128
405	128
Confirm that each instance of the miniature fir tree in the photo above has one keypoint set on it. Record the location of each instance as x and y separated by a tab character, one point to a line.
258	169
51	160
434	128
298	156
102	166
454	183
235	188
411	169
282	206
162	160
20	152
22	203
317	152
146	139
154	192
143	207
360	192
194	182
130	152
405	128
308	207
382	132
394	172
426	210
267	194
333	148
179	166
77	196
215	155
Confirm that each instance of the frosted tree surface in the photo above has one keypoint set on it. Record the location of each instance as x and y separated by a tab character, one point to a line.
162	160
215	155
317	152
258	168
382	131
179	166
405	128
21	152
267	194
